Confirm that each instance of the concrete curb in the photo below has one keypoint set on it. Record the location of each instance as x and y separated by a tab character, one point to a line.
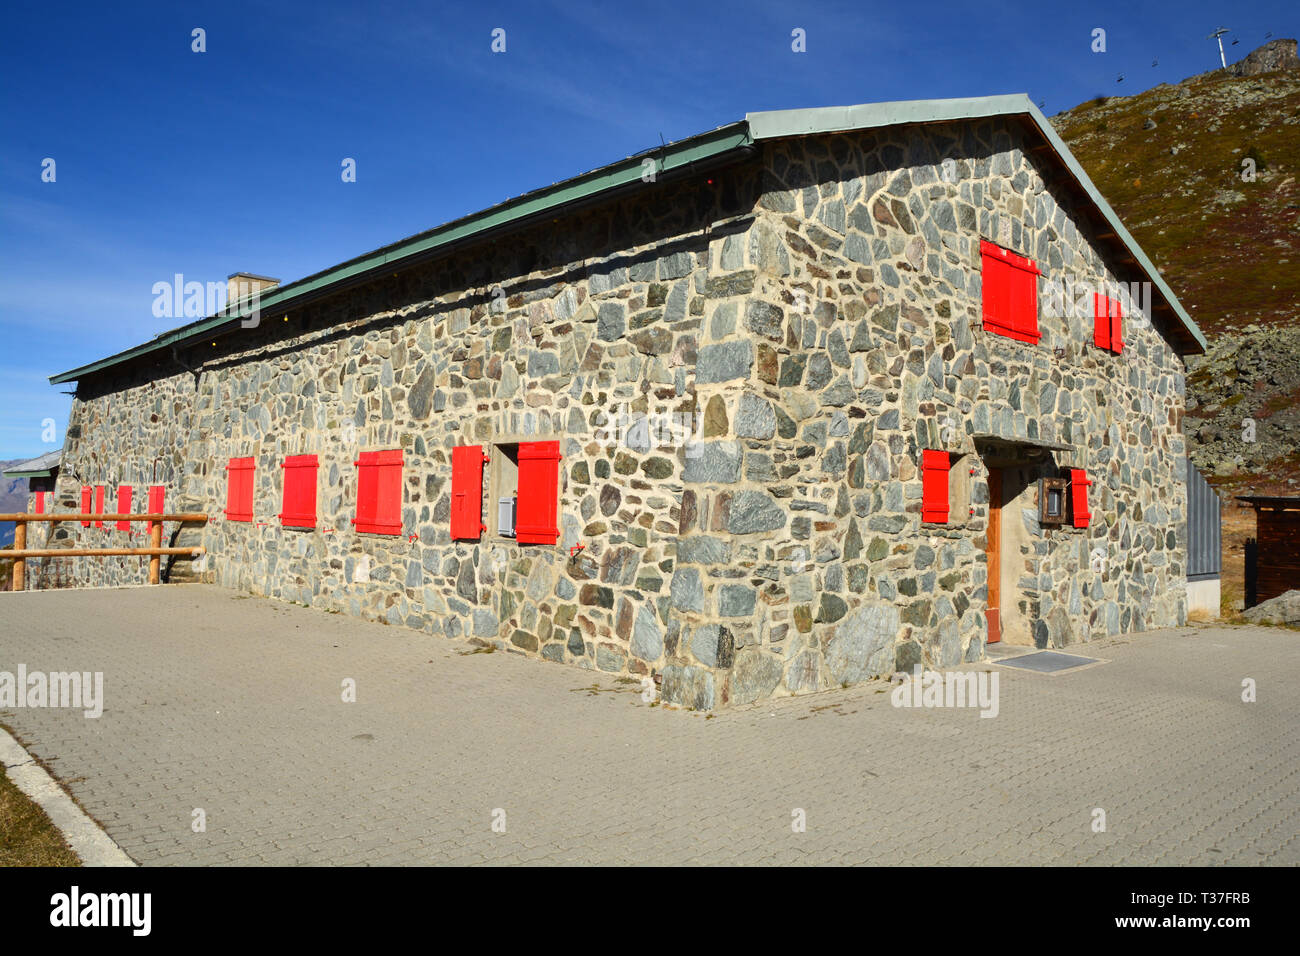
87	840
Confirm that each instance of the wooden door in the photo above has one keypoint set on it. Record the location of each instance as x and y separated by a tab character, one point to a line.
992	554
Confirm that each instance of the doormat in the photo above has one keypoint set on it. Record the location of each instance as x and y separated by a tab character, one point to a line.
1047	662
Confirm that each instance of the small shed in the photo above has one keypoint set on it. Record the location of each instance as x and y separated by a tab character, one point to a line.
1273	565
40	472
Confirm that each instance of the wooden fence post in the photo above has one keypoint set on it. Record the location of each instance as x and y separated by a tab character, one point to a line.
155	541
20	542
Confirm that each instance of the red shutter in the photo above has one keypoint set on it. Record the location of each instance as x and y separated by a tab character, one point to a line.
39	503
1101	320
124	506
934	486
99	504
539	492
379	492
299	502
1079	494
1116	326
155	501
85	504
1010	293
467	492
995	278
239	489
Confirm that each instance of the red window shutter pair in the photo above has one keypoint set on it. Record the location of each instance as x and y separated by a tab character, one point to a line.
1108	319
1079	496
467	492
1010	293
298	506
124	506
379	492
239	489
934	486
85	504
99	504
155	501
536	519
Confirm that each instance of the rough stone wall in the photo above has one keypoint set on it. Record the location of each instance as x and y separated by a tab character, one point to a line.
817	319
868	347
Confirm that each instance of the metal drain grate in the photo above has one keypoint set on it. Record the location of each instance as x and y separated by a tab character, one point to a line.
1046	662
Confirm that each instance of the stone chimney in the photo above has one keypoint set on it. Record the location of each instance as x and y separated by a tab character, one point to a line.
240	285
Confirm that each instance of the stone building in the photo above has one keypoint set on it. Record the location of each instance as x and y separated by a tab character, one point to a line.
808	398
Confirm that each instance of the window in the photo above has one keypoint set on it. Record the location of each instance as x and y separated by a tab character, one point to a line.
379	492
124	506
298	506
239	489
1108	317
526	491
1051	501
467	493
1010	293
934	486
155	502
99	504
1079	494
85	504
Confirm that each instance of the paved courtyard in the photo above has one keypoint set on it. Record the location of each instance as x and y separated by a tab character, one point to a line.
233	705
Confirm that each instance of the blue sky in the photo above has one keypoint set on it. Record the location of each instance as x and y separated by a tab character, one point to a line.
171	161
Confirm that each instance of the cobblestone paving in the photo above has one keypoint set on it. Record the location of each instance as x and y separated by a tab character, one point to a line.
233	705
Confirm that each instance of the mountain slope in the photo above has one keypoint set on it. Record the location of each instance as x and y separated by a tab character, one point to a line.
1170	161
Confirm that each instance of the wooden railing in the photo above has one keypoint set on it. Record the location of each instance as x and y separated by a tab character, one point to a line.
154	552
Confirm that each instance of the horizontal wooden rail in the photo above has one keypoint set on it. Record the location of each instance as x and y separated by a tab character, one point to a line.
181	516
20	552
96	552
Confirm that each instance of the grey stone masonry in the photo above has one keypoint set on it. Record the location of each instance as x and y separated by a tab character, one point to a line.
808	324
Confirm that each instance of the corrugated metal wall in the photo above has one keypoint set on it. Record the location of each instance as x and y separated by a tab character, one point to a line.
1204	531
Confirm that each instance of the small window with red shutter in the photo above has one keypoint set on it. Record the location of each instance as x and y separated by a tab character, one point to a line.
239	489
934	486
85	504
298	506
99	504
1079	497
379	492
467	492
1010	293
124	506
1108	323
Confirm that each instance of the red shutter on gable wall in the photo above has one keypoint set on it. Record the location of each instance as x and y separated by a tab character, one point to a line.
467	492
124	506
1010	293
1101	320
934	486
1079	494
379	492
299	501
239	489
155	501
85	504
1116	326
99	504
539	493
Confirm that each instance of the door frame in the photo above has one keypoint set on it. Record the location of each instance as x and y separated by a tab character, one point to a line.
993	557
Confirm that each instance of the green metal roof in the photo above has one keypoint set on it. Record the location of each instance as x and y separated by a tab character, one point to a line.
722	144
